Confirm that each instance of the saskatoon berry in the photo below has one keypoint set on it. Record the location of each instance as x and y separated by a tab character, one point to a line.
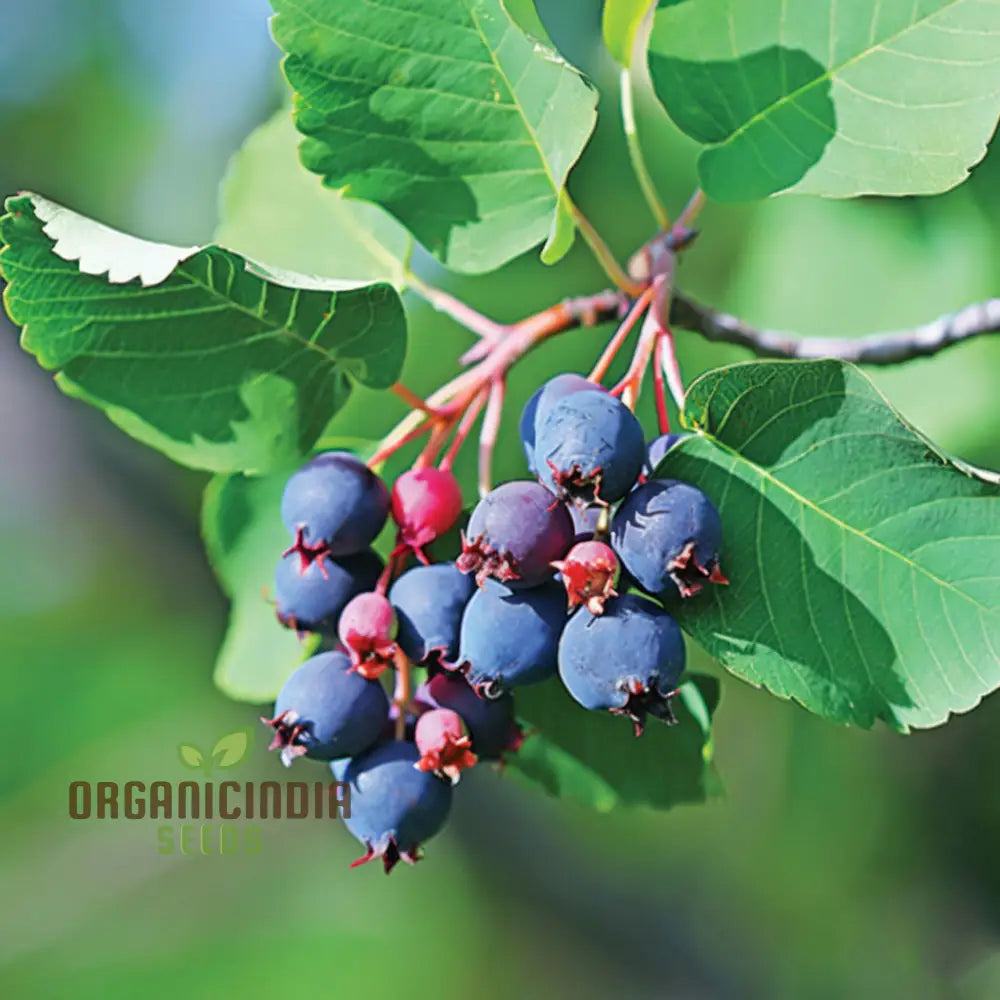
444	744
429	601
367	628
627	661
590	574
590	448
510	637
516	531
667	534
324	711
656	449
538	406
425	504
394	806
334	506
312	600
490	722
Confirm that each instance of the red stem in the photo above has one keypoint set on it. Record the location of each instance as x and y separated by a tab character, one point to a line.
464	427
620	335
662	417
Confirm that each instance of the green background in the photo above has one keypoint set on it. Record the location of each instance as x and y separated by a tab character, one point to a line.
840	863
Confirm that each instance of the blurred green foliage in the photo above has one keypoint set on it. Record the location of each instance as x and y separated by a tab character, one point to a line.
841	863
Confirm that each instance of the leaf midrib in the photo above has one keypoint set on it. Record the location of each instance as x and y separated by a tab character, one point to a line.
829	74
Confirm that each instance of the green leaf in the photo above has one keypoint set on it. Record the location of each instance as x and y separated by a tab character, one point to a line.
190	756
444	112
619	23
220	362
864	564
887	97
231	748
244	536
594	758
274	210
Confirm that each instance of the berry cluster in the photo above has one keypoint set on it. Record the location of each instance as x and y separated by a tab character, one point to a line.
566	574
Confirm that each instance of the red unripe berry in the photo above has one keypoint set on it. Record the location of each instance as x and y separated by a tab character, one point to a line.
444	744
425	504
367	628
590	572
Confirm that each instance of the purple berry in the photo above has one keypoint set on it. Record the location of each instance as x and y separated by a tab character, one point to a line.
444	744
656	449
394	806
333	506
590	448
667	535
312	600
509	637
626	662
324	711
490	722
429	602
538	406
514	535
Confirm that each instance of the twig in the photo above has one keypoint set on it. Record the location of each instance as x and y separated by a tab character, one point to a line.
876	349
458	310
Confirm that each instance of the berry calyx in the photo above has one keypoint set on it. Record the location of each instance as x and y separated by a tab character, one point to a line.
590	573
444	744
367	628
425	503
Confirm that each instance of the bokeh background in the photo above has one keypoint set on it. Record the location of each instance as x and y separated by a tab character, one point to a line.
840	863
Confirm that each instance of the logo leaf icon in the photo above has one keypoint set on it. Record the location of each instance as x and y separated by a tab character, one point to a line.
231	749
190	756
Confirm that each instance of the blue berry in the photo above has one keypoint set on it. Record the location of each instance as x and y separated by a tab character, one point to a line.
627	661
589	448
334	506
538	406
325	711
509	637
394	806
656	449
516	531
429	601
667	535
311	600
490	722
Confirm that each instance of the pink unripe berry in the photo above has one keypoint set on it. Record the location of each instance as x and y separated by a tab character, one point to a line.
367	628
444	744
425	504
590	573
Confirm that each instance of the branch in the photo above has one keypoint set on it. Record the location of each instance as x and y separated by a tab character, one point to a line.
876	349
